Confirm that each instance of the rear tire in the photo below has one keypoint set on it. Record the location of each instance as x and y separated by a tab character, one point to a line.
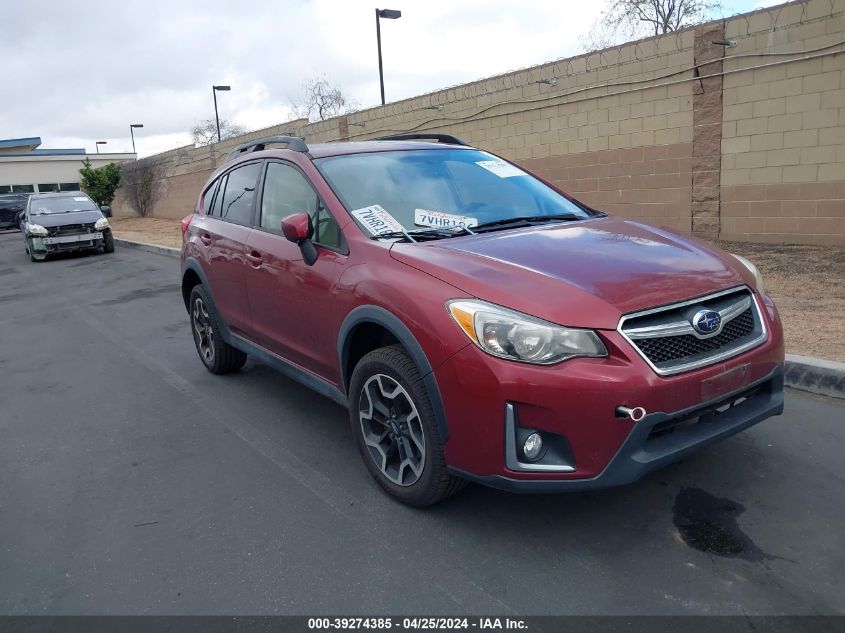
108	241
216	354
393	423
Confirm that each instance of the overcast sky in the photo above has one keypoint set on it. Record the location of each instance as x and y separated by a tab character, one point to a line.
79	71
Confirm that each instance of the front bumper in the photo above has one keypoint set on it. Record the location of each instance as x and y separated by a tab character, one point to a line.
64	243
577	400
662	438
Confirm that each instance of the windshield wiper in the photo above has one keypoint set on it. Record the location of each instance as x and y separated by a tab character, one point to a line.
425	234
526	220
437	233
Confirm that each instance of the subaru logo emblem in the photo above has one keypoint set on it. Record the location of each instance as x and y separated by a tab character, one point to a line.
706	321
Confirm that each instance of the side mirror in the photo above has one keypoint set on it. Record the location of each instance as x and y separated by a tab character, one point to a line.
106	210
297	228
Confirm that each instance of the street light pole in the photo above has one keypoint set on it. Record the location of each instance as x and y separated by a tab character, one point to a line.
132	127
214	90
389	14
98	143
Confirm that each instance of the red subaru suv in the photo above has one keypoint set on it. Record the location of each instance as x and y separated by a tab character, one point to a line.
478	323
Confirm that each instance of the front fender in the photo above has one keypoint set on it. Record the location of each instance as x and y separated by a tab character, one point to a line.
394	325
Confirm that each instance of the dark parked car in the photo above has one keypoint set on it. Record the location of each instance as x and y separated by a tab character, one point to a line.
64	222
478	323
11	208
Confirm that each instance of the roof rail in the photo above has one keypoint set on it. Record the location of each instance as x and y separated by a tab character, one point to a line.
440	138
293	142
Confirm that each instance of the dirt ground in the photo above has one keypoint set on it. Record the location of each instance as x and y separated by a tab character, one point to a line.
808	286
806	282
148	231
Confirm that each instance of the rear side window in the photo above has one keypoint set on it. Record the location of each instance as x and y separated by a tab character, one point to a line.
237	196
208	197
218	196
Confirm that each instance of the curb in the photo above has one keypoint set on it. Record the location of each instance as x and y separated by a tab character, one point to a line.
150	248
824	377
815	375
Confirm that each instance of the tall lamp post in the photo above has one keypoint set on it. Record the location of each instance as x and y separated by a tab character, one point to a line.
98	143
214	90
132	127
388	14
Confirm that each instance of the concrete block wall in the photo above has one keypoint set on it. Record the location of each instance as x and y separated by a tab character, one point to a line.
187	168
783	147
740	142
603	132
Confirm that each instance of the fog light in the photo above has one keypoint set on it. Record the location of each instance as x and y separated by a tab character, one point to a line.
533	447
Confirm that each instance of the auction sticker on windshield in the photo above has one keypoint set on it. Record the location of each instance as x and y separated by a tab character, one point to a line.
439	219
501	168
377	220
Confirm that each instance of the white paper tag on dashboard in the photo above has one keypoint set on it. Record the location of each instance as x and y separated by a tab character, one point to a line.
439	219
501	168
377	220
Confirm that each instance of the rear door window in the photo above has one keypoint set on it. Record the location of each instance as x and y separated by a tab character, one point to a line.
238	195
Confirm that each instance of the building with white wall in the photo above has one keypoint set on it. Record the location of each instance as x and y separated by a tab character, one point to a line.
25	168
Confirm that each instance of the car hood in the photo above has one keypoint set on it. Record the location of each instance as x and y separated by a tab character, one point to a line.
60	219
584	274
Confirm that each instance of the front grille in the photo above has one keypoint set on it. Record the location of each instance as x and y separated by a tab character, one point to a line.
70	229
666	338
70	246
670	348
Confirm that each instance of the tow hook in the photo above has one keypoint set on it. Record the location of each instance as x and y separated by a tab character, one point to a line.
635	414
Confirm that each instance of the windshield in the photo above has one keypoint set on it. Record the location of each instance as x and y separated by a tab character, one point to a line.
423	189
66	204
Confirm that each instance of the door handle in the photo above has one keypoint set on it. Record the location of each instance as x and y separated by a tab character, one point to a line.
205	238
254	258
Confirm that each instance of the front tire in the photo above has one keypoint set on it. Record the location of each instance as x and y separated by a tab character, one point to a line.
216	354
393	422
108	242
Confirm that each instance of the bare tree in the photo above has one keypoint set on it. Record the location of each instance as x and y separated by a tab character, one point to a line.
205	132
632	19
321	100
141	184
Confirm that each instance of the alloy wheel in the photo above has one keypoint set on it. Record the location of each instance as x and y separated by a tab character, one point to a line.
392	429
203	330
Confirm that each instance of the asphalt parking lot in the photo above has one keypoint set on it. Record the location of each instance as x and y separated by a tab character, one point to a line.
132	481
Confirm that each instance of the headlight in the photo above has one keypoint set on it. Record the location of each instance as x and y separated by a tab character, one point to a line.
35	229
515	336
101	225
758	278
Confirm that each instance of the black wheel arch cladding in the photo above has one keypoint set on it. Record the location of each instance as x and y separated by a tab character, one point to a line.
375	314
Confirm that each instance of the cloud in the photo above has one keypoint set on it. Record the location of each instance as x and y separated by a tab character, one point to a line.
82	71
